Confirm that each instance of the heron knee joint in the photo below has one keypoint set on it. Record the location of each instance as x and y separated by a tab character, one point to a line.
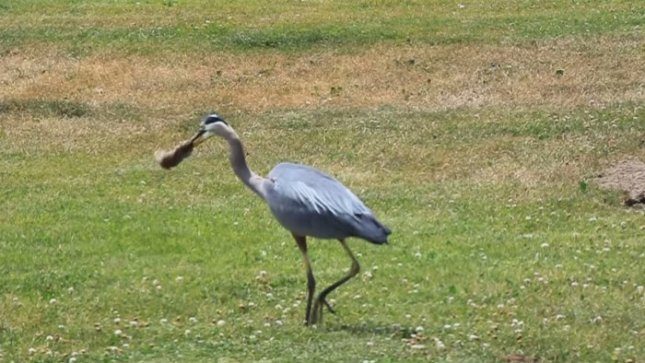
356	268
311	281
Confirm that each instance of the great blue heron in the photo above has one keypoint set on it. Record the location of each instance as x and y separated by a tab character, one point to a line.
308	203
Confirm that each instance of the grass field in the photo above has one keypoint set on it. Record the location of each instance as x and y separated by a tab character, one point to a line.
473	129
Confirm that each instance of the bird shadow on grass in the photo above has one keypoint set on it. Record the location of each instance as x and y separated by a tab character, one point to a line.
372	328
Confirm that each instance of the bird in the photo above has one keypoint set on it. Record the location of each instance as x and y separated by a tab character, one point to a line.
308	203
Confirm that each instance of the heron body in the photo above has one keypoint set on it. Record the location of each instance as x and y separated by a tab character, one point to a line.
306	202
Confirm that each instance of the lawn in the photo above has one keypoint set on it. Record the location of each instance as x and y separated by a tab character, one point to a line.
474	130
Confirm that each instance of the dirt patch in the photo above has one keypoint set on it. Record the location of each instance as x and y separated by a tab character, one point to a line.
628	177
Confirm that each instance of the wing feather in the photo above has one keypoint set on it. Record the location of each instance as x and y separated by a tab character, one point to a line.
309	202
315	190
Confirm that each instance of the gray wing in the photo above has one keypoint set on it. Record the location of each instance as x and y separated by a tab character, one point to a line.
309	202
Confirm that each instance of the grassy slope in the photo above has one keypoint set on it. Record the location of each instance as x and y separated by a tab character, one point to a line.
496	249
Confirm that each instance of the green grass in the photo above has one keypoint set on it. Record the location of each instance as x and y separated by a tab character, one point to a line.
502	242
198	26
100	230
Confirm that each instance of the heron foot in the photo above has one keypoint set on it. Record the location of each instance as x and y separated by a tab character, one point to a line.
317	310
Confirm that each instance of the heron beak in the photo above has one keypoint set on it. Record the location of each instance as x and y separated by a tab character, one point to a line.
198	138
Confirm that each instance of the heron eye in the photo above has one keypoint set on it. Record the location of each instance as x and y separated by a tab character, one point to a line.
210	120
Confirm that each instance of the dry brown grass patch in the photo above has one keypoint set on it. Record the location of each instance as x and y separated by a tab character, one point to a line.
557	73
428	78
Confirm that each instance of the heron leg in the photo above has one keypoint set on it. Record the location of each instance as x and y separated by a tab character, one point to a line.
322	297
311	282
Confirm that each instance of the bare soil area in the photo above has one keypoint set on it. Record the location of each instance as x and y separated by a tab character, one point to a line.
627	176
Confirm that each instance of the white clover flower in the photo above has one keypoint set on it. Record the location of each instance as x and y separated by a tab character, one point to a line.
439	344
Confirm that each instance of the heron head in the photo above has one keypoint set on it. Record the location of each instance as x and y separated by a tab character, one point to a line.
210	125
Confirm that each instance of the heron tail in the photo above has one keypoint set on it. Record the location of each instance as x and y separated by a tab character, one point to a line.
371	230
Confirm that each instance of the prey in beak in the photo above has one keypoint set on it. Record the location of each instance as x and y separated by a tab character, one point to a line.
170	159
211	125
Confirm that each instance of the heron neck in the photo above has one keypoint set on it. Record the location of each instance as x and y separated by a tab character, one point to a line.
241	168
